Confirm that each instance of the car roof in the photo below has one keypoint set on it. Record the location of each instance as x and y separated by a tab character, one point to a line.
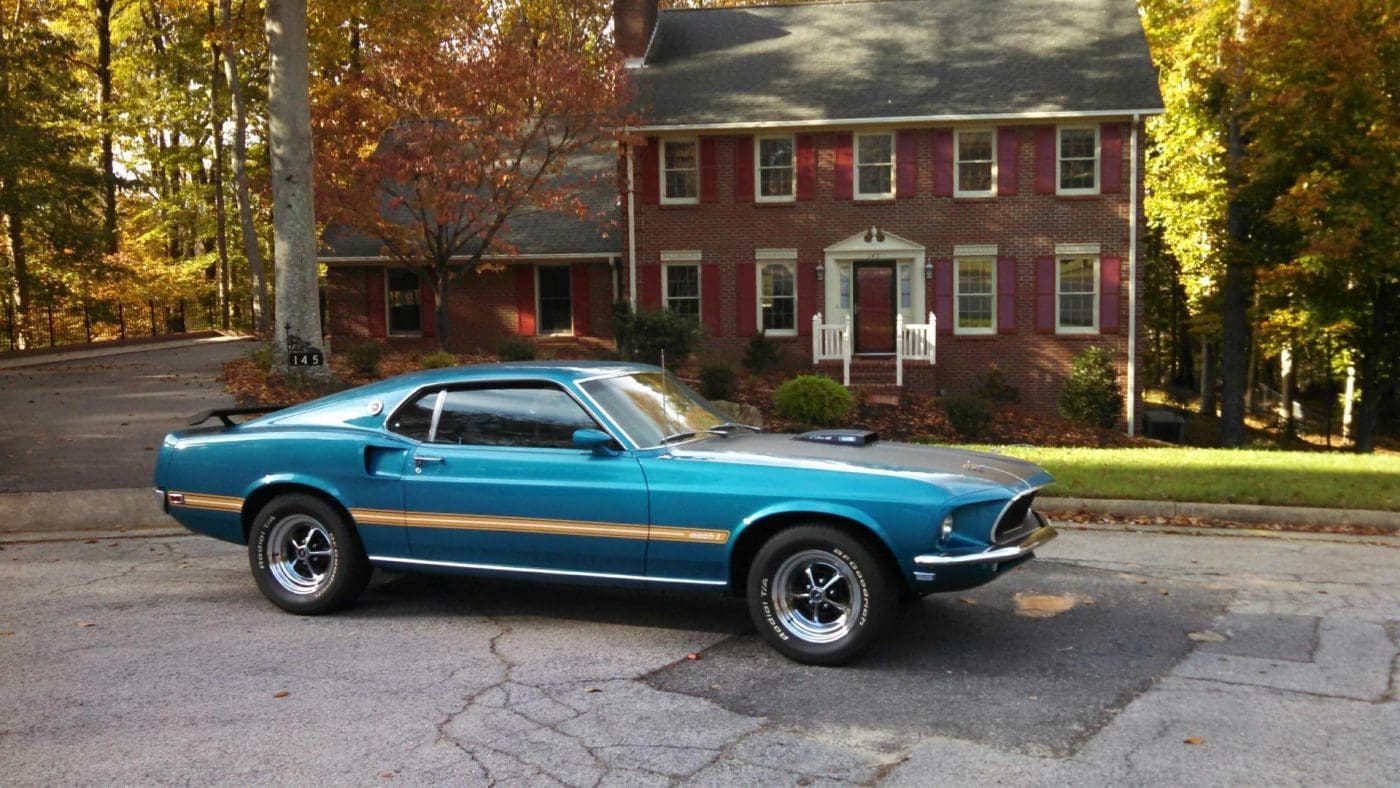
561	371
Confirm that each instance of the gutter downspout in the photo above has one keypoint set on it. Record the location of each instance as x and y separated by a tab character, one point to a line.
631	232
1132	280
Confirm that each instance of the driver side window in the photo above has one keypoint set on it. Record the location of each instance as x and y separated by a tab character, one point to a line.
534	417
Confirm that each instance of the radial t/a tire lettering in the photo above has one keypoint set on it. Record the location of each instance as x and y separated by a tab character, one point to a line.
819	595
305	556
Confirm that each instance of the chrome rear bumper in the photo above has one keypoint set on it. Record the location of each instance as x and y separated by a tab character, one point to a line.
992	555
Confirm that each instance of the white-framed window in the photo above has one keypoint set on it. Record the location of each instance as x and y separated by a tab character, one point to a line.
976	165
844	286
906	286
681	284
777	298
775	169
974	295
1077	160
680	172
403	300
1077	294
874	166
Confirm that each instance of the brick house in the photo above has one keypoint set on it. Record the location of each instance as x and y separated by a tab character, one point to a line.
903	191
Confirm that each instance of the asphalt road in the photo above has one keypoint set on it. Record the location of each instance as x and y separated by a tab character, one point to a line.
95	423
1113	658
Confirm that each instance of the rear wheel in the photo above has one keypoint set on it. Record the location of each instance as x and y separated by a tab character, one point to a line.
305	557
819	595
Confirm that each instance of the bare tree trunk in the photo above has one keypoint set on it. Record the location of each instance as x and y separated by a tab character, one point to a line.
262	316
1374	382
1207	379
1235	338
102	21
19	289
293	210
216	178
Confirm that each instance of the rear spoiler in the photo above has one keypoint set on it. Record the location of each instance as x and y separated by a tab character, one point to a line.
222	414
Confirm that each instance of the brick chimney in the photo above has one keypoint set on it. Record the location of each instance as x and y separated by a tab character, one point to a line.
633	23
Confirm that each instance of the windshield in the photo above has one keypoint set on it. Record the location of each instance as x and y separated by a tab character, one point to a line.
653	408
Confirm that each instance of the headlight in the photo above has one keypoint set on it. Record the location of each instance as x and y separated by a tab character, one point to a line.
946	529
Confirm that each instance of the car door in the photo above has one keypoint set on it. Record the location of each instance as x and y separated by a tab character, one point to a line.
499	484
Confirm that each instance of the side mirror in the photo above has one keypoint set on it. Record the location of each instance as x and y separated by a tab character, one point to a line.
596	441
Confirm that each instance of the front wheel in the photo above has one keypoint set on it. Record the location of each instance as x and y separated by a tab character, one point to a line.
819	595
305	557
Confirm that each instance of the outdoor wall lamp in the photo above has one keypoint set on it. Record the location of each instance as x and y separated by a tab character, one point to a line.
928	270
821	272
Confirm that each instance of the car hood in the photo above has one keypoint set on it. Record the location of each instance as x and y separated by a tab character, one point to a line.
957	470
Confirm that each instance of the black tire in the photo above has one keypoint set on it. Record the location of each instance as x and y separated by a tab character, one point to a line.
854	592
305	557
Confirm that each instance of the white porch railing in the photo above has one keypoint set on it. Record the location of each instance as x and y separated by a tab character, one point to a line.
915	341
832	342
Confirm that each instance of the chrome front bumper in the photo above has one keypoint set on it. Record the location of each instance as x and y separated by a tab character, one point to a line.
992	555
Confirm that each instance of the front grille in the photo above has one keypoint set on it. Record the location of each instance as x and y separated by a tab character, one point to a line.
1016	521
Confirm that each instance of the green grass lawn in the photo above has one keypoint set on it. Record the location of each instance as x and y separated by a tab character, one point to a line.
1278	478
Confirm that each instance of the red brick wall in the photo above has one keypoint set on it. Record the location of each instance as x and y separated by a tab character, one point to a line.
1024	226
482	310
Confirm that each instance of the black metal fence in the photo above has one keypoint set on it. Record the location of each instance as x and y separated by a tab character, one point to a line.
51	325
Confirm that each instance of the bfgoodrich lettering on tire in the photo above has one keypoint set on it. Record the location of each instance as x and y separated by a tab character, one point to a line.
305	557
818	595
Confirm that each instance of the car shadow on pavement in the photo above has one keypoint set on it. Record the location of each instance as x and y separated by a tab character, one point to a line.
1037	661
397	595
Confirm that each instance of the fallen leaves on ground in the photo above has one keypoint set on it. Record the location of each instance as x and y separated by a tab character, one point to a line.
1043	605
6	634
692	656
1182	521
281	694
85	624
1194	740
1206	636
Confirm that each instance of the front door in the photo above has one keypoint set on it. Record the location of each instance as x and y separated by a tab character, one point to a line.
498	484
875	307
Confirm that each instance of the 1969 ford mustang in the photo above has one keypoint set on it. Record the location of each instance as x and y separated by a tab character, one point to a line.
599	473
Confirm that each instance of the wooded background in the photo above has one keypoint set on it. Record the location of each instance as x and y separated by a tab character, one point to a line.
134	174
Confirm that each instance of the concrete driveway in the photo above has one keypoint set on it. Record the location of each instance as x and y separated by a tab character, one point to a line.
94	423
1113	658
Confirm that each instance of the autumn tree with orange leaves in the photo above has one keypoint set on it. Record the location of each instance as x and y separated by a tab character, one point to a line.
438	133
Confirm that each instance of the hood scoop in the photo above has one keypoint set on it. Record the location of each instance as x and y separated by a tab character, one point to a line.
839	437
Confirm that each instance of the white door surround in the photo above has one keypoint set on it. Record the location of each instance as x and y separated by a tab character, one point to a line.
870	245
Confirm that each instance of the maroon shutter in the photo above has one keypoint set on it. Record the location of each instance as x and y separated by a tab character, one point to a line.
1045	295
1110	273
943	295
427	309
525	300
1045	155
806	297
841	183
748	299
647	171
650	291
1008	156
1006	295
743	169
374	301
709	298
709	180
1110	157
581	297
806	167
943	163
906	164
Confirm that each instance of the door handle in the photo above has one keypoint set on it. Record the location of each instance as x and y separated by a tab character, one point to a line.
420	460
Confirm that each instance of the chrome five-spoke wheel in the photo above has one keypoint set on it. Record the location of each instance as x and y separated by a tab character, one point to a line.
306	556
816	596
820	594
299	554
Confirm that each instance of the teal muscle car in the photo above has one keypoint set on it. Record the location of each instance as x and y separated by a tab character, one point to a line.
599	473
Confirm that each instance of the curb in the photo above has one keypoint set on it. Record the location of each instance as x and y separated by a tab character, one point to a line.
100	350
127	508
80	510
1232	512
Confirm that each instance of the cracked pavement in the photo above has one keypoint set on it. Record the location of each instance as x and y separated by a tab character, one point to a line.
1201	659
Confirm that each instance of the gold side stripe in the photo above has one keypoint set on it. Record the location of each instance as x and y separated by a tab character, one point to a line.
536	526
217	503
